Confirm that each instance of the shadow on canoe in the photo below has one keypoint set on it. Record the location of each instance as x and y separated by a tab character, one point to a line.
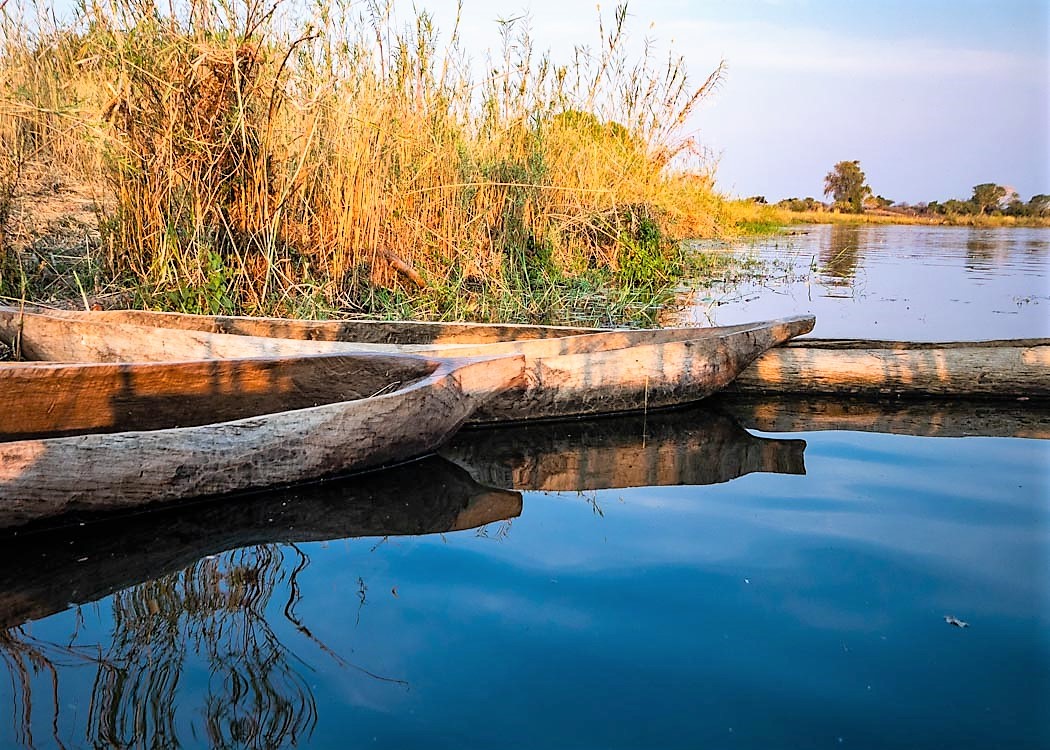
591	373
689	446
82	558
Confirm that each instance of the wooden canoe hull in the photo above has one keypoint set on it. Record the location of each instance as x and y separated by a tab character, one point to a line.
56	400
50	476
363	331
593	373
992	369
986	369
44	570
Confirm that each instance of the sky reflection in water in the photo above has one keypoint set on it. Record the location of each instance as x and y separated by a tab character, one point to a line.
917	283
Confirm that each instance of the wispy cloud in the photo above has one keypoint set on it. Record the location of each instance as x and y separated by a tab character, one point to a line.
764	46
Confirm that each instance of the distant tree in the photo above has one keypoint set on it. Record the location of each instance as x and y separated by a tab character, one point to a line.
953	206
1039	205
881	202
761	199
801	204
1015	206
987	196
845	182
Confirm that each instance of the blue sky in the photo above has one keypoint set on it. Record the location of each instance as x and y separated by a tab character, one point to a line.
931	97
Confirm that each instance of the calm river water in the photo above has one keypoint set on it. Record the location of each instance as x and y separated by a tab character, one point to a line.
681	580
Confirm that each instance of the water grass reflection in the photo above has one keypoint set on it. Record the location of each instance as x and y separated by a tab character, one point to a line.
201	587
217	609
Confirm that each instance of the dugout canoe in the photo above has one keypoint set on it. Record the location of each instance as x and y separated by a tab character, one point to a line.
690	446
1008	368
401	406
565	375
82	558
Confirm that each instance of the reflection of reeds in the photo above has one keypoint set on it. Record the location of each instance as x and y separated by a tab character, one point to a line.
25	659
214	611
217	609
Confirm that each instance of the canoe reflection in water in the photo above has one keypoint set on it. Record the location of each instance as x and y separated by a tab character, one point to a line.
691	446
1021	418
200	579
196	582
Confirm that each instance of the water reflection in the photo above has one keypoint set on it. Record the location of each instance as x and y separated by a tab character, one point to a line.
693	446
186	584
919	417
45	570
212	625
256	695
196	587
910	283
988	250
840	254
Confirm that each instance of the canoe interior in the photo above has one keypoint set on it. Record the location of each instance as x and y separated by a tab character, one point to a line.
55	400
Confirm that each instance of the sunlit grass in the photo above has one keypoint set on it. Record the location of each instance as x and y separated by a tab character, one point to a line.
244	158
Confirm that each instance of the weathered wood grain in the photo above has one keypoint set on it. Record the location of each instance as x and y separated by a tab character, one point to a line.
592	373
994	369
44	570
54	475
364	331
990	369
692	446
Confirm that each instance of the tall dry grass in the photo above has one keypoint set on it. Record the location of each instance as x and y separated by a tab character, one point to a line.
246	158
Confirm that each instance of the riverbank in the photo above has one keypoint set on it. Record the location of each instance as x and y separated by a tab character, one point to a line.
344	163
56	242
757	218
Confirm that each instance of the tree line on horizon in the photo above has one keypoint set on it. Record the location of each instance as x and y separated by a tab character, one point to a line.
847	187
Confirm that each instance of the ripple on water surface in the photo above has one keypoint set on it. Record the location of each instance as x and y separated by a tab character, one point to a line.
897	283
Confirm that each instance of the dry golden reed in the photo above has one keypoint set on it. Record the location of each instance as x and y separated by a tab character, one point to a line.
248	159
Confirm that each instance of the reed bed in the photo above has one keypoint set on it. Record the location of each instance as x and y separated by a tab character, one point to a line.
240	157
